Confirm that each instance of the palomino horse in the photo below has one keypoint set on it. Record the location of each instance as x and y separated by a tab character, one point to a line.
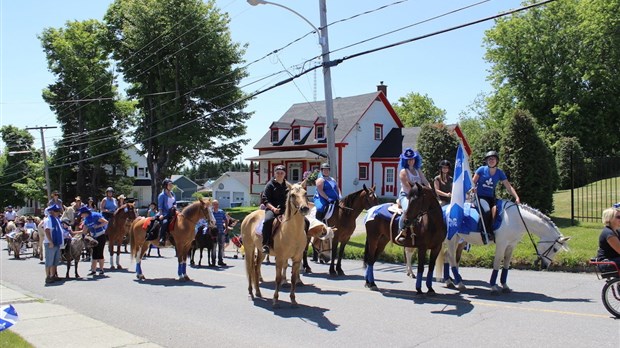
182	232
69	213
118	227
426	217
289	242
515	220
343	218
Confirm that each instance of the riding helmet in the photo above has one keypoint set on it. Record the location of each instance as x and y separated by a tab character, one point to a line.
325	166
445	163
491	154
109	189
166	182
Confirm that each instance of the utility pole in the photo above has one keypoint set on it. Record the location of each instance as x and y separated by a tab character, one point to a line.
47	171
327	85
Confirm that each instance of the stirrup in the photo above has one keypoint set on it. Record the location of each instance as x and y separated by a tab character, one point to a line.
401	237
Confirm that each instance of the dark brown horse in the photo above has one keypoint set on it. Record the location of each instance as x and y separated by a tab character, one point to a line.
118	228
343	219
182	232
425	215
205	238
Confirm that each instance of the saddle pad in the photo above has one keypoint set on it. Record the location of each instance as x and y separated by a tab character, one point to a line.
330	211
259	228
471	217
173	223
380	211
147	222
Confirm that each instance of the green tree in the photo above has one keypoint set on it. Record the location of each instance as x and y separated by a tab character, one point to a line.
415	110
436	143
561	61
528	162
569	159
490	140
184	72
91	116
18	153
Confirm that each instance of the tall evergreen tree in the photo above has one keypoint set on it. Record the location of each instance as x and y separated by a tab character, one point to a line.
436	143
18	154
528	162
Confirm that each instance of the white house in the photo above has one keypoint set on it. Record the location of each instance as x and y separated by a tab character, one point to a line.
142	181
233	189
369	138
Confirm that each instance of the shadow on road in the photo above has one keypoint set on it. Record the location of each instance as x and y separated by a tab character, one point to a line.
302	312
174	282
306	288
455	304
518	296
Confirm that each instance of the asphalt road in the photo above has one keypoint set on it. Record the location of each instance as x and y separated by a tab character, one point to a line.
546	308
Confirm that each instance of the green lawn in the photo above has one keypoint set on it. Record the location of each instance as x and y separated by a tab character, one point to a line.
583	243
9	338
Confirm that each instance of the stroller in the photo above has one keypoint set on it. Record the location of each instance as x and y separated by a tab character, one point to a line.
235	238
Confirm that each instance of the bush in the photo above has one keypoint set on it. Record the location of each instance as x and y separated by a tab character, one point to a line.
528	162
435	143
568	153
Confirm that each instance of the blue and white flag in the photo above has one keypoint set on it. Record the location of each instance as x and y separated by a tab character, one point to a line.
461	184
8	317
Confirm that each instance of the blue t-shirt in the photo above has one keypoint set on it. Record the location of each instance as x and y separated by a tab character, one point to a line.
93	219
220	218
486	182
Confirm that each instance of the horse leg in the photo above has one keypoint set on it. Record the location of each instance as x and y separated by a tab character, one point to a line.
138	255
340	255
191	259
256	262
454	265
332	269
294	278
118	255
76	260
499	255
304	259
421	262
442	273
431	267
504	276
68	267
409	261
279	266
200	260
111	251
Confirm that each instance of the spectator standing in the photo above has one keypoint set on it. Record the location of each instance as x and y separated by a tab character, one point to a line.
91	204
96	224
52	241
222	230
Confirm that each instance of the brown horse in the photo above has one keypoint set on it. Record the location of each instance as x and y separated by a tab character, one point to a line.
289	242
182	232
118	228
425	215
343	219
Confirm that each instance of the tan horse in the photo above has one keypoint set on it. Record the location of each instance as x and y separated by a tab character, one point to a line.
288	243
118	228
183	234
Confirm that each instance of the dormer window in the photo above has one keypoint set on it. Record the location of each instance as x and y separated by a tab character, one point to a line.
320	132
275	136
296	134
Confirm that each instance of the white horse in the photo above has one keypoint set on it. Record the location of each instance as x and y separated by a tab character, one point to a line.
516	220
69	213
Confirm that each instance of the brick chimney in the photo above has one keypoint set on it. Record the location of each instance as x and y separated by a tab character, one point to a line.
382	88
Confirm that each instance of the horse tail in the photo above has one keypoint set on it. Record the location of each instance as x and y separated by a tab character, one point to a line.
132	243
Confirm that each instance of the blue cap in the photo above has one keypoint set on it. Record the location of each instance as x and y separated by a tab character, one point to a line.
54	207
84	210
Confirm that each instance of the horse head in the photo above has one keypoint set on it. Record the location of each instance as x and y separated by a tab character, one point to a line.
297	201
126	211
370	197
421	201
205	205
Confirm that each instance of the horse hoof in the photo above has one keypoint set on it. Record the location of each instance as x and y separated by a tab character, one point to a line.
307	270
461	287
450	284
259	295
419	292
506	289
431	292
186	277
140	276
495	290
341	272
333	273
294	305
372	286
119	267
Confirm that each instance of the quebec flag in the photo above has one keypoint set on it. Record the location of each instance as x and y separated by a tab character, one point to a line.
8	317
461	184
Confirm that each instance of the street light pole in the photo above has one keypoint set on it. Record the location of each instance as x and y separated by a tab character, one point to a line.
47	171
327	77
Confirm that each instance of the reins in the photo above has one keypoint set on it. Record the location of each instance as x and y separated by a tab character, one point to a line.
544	253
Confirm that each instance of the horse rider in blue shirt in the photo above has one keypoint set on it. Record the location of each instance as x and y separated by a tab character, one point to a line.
327	192
166	201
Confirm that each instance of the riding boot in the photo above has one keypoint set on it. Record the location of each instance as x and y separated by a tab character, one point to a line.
162	237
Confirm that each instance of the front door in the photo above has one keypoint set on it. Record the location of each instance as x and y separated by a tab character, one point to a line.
389	180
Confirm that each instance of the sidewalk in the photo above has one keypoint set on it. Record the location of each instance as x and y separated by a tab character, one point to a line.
44	324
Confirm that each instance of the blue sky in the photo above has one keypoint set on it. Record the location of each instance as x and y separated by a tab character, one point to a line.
449	68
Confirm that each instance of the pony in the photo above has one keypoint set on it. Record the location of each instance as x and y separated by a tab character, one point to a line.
515	221
289	242
15	239
343	218
73	251
427	225
118	227
181	229
205	238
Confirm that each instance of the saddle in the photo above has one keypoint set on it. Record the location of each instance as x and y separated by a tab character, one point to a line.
392	212
472	222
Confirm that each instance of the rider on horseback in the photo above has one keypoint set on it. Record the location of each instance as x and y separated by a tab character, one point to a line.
327	192
274	199
409	175
485	180
166	201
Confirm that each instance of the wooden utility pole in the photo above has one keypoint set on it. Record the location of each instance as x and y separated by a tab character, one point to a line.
47	172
